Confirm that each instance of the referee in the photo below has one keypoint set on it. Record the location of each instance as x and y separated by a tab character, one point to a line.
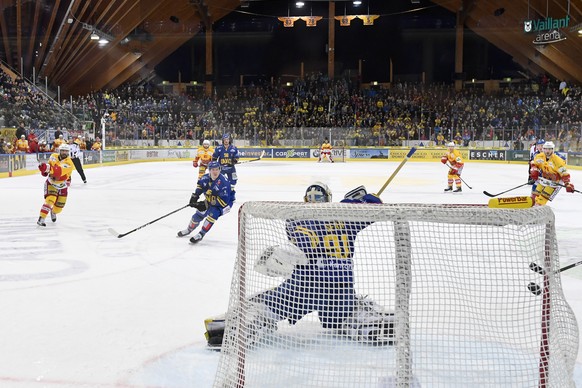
75	155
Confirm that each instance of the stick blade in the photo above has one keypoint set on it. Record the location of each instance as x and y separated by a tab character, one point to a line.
114	232
489	194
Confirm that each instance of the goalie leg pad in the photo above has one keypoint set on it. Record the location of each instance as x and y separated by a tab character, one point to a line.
214	331
370	324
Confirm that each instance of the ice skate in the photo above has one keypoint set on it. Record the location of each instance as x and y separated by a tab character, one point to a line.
458	190
450	188
53	217
41	222
185	232
197	238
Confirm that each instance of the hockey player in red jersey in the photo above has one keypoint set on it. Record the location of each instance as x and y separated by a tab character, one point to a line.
58	171
453	159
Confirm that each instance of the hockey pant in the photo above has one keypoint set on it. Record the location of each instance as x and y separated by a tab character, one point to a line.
202	170
325	154
300	295
79	168
456	178
209	216
545	191
54	199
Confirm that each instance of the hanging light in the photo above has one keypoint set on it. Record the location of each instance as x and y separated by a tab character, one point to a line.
357	3
94	36
299	4
103	41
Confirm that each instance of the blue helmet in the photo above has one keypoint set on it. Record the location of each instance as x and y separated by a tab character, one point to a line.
226	136
213	164
540	141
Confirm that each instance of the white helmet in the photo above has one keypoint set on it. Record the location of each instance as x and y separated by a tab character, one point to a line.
451	144
548	145
64	147
206	143
317	192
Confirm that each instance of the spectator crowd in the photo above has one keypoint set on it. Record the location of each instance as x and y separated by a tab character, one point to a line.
270	114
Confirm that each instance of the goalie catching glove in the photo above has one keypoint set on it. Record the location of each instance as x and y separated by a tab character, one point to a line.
280	260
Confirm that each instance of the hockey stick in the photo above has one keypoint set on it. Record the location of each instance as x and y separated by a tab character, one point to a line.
120	235
466	184
253	160
503	192
535	288
536	268
561	185
408	156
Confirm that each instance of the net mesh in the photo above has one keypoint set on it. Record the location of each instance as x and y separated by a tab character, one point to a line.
345	295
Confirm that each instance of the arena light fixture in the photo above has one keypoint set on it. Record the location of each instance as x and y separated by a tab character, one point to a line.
299	4
357	3
94	36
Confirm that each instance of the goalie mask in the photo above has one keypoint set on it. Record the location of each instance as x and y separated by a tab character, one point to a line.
317	192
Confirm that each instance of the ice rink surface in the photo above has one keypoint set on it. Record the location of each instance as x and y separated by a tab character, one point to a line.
81	308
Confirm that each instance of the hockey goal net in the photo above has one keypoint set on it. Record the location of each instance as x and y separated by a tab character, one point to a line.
396	296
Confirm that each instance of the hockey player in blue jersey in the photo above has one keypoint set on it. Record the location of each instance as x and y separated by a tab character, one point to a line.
321	279
227	156
218	201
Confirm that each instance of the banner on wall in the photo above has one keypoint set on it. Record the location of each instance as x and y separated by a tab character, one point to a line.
369	153
487	154
339	153
4	158
92	157
291	153
255	152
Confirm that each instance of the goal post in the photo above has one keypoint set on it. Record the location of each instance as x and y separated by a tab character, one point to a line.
396	295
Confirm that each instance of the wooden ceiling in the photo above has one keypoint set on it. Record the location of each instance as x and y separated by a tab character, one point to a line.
501	23
53	36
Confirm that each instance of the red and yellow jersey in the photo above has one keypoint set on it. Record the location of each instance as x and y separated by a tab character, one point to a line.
326	147
204	155
21	145
552	168
61	171
57	143
454	158
43	147
96	146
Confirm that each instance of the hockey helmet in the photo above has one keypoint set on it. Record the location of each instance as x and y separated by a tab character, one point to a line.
451	144
22	136
317	192
213	164
206	143
226	136
540	141
548	145
64	147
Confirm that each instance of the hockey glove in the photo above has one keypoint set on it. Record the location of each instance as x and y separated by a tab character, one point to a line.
531	181
44	169
195	164
454	171
570	188
194	199
356	194
57	171
444	160
534	174
200	206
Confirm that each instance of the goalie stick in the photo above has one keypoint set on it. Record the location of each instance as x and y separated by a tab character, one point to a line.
253	160
503	192
466	184
120	235
408	156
